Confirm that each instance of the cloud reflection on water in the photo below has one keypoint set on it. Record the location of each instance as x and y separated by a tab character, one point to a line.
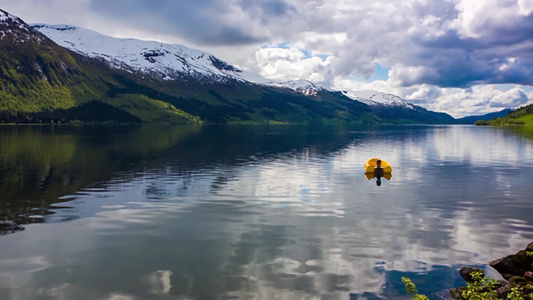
300	224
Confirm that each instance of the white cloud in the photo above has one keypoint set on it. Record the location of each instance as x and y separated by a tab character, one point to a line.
409	75
512	98
426	92
477	100
341	83
115	296
525	7
291	63
481	18
160	282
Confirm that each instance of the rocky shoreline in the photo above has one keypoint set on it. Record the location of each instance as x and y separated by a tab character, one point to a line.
517	270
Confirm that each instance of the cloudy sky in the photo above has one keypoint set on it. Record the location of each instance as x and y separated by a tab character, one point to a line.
462	57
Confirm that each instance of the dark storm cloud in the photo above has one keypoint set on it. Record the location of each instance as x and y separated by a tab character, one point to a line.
445	43
268	7
498	55
207	22
464	67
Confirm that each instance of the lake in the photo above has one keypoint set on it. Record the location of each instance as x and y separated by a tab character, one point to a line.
256	212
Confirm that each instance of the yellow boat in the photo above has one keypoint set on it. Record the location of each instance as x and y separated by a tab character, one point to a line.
371	176
372	163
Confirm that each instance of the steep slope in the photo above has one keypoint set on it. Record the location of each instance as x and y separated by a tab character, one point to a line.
486	117
521	116
414	115
35	73
43	82
394	109
243	102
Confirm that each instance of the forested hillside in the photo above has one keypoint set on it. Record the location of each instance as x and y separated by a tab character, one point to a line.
521	116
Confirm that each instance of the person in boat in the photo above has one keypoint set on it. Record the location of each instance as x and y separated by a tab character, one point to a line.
378	171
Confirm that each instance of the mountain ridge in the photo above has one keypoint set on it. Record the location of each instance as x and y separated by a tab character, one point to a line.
173	61
156	82
485	117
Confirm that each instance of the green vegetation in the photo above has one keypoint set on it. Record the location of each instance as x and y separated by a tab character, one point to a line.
41	82
481	288
482	123
36	77
151	110
521	116
411	289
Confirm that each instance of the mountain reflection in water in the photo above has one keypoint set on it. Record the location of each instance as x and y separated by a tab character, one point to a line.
248	212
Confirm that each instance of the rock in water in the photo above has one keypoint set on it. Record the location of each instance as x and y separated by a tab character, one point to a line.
518	269
457	293
466	273
516	264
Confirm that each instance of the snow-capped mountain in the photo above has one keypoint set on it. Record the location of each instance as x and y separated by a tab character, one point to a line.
374	98
170	62
163	61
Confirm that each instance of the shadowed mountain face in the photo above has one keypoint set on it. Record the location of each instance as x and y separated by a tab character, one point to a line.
44	82
490	116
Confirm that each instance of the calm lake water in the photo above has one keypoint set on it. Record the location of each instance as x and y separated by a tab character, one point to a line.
216	212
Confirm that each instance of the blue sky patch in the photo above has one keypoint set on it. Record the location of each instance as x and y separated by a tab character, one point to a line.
381	73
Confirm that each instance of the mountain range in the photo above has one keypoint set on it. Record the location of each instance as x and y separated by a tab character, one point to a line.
489	116
62	73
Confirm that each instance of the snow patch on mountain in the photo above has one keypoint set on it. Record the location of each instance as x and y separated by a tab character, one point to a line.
164	61
6	17
373	98
16	29
305	87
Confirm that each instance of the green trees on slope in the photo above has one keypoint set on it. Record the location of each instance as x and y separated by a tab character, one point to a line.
521	116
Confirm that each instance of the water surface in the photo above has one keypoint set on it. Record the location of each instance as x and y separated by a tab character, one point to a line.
217	212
